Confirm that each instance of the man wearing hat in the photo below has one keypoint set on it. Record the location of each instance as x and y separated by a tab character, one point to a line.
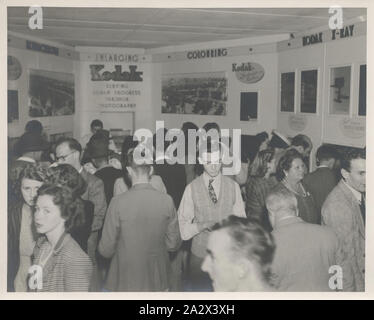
30	146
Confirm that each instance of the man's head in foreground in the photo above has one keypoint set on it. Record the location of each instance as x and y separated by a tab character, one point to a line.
239	256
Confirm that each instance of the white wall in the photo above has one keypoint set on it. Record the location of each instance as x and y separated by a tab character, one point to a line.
266	101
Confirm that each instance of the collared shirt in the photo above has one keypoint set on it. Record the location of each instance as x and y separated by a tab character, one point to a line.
356	193
80	170
27	159
186	212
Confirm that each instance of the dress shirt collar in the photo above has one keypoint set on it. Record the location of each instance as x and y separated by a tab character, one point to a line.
356	193
80	170
322	166
286	221
216	180
27	159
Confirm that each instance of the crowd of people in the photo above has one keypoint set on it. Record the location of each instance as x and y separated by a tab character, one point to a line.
93	218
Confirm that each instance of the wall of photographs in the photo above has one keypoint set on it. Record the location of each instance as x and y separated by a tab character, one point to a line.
321	88
322	91
40	86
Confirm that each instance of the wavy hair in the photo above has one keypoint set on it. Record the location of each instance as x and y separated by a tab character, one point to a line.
285	162
251	241
258	167
71	207
66	175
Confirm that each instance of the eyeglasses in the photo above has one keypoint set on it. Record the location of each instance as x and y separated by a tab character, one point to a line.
63	158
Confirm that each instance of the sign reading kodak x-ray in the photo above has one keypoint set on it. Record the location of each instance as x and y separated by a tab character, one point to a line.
115	86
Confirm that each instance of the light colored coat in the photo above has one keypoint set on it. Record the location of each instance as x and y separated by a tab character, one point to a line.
96	194
140	228
341	211
304	254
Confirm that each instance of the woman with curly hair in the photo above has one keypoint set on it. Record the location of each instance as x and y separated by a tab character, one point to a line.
65	266
67	175
21	232
260	181
290	173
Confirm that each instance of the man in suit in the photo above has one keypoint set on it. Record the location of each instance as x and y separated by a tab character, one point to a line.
140	228
321	181
304	251
68	150
344	211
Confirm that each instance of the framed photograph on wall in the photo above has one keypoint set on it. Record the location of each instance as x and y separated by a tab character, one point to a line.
51	93
195	93
340	88
288	92
308	96
248	106
13	110
362	91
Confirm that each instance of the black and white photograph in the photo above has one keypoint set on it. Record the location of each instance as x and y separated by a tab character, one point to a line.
199	93
287	92
248	106
50	93
196	151
309	79
362	92
340	92
13	111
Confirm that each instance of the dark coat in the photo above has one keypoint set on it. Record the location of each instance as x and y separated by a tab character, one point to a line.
14	230
320	183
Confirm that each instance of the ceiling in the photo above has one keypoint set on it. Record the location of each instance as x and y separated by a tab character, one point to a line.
159	27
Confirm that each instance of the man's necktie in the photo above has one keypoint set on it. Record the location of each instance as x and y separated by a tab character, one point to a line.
362	207
212	194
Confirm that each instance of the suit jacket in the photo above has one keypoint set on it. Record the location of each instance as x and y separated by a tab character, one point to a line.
96	194
342	213
303	256
320	183
257	190
140	228
68	269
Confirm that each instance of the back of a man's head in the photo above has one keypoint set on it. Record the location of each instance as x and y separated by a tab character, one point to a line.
326	153
34	127
139	169
72	143
301	140
281	203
